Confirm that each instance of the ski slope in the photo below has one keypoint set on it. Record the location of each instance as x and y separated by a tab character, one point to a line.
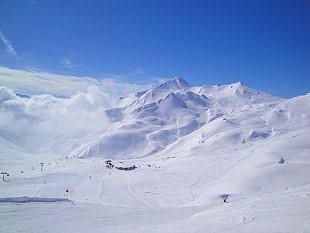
192	147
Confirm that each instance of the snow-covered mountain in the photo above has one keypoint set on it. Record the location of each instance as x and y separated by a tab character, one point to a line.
192	148
165	113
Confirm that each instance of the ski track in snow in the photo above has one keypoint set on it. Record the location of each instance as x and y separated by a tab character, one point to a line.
140	198
101	192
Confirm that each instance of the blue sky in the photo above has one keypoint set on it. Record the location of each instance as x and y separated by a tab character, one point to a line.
264	44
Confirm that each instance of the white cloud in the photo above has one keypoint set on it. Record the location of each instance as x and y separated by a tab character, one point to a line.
8	45
29	122
34	82
67	62
6	94
138	71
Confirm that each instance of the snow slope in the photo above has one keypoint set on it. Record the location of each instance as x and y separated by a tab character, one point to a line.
192	147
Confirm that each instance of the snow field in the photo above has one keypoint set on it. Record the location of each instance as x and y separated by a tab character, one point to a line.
191	145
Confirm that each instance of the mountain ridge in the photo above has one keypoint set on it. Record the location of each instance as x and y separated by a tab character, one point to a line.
180	108
158	116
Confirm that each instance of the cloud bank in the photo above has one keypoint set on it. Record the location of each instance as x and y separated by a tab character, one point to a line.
29	122
60	109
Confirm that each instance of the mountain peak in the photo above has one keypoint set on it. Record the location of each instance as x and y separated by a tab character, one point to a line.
180	82
175	84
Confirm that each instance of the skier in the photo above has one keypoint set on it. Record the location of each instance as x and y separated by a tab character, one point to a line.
67	193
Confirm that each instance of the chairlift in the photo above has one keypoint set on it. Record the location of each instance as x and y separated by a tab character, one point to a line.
3	174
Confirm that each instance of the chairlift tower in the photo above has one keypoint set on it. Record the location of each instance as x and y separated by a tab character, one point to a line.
4	174
42	164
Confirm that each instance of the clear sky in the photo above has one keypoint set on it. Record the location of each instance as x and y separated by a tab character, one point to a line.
264	44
